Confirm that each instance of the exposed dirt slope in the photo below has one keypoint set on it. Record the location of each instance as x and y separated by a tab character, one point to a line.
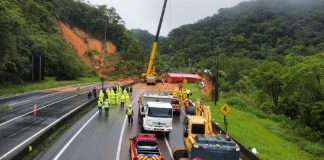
102	56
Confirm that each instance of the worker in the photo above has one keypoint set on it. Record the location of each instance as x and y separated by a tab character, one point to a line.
127	100
89	94
99	106
188	92
107	93
101	95
131	90
122	100
120	89
130	113
186	104
113	96
118	97
106	107
94	91
78	89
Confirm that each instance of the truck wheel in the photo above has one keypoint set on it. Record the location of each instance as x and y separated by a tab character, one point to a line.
167	134
142	129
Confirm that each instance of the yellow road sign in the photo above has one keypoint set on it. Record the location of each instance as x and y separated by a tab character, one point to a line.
225	109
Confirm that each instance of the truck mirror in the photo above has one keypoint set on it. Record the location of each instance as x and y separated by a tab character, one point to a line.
185	134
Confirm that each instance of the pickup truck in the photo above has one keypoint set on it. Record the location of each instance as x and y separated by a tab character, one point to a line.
144	146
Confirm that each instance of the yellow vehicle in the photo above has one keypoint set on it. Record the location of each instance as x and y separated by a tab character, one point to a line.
201	142
150	75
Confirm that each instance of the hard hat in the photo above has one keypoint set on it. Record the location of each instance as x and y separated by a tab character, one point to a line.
129	106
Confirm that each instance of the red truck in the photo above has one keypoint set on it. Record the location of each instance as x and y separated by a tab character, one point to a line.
145	147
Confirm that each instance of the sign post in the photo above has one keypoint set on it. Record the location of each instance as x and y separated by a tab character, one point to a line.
225	109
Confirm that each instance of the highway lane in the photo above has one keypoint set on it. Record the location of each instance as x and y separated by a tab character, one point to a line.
98	137
15	131
23	104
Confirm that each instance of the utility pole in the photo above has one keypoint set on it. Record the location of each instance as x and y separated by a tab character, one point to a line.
189	64
216	81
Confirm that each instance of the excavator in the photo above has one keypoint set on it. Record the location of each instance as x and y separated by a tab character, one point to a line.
150	76
201	143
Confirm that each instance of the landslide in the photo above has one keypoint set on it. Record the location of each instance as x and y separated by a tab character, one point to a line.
92	51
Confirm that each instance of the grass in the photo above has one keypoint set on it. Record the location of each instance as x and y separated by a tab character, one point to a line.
270	138
10	89
5	108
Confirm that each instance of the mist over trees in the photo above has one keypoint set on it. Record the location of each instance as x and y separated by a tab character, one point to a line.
271	56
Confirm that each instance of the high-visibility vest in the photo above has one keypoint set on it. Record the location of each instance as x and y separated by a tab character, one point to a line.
129	111
99	103
122	98
101	94
106	104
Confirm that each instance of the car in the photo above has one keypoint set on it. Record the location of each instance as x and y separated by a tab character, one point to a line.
145	146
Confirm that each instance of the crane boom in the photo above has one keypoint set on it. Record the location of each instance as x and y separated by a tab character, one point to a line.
150	69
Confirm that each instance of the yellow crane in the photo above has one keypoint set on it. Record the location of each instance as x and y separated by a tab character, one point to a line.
150	75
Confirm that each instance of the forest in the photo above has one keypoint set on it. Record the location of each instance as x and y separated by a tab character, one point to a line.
30	27
270	57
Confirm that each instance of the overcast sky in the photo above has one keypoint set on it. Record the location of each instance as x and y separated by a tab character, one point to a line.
145	14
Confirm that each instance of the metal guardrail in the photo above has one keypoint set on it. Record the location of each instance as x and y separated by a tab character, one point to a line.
246	154
23	151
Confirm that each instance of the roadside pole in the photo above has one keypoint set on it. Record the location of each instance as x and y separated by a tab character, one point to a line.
225	109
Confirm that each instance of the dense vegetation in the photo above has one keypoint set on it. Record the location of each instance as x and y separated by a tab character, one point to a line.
94	20
29	27
271	58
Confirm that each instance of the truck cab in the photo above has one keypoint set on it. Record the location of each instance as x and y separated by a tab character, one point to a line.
145	146
158	117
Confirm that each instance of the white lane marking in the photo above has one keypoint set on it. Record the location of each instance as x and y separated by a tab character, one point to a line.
168	146
33	98
121	139
26	142
37	109
122	133
75	135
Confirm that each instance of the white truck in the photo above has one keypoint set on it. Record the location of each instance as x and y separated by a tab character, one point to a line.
155	113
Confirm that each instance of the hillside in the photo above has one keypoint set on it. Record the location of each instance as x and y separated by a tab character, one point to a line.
34	27
261	29
270	57
144	37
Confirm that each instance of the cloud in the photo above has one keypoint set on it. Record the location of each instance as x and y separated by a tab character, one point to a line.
145	14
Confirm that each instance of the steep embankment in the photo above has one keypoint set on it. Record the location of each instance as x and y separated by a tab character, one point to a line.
91	51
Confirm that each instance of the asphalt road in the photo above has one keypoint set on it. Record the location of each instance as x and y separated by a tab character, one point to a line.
107	138
20	123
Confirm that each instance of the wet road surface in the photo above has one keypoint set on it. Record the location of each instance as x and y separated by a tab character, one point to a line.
107	138
19	124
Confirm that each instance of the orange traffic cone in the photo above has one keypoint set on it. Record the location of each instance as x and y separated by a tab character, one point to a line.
35	109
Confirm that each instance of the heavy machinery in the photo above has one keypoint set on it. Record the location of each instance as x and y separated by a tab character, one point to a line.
150	77
201	143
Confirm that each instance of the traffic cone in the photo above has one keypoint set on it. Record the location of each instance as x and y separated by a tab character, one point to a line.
35	109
